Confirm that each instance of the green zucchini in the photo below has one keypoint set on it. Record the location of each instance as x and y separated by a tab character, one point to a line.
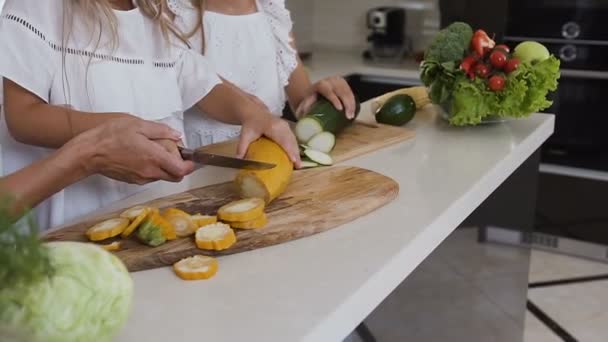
323	117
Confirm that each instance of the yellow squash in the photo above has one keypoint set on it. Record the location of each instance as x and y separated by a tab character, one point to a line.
196	267
253	224
217	236
243	210
265	184
107	229
181	221
203	220
142	214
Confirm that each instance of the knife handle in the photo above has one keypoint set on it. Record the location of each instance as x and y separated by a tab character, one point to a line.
187	154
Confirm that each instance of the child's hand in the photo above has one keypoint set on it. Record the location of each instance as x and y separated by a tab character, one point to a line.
334	89
275	128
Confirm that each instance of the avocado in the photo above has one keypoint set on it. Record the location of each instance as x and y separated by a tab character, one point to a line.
397	111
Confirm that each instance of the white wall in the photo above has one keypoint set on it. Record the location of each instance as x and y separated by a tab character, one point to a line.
341	24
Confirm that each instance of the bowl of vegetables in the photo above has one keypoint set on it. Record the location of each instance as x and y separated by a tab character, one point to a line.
473	80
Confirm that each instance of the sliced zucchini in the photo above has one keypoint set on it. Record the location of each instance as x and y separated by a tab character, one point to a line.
307	164
306	128
322	142
319	157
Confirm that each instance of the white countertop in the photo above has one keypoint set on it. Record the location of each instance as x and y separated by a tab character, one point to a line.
319	288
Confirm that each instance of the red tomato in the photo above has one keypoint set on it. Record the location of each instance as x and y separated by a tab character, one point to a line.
512	65
503	47
468	63
498	59
482	70
496	83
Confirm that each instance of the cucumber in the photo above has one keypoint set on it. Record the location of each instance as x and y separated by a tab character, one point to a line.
307	164
306	128
323	116
397	111
319	157
322	142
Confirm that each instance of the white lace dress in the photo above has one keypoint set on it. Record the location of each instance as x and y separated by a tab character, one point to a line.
252	51
145	76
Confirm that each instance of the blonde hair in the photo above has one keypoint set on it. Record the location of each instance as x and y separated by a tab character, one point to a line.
101	21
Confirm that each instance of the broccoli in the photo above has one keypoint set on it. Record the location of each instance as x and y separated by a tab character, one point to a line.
450	44
151	234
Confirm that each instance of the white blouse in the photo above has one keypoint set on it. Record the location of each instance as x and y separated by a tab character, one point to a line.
252	51
144	75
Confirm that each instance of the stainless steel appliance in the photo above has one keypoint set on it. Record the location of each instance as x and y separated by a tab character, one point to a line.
573	182
387	39
577	32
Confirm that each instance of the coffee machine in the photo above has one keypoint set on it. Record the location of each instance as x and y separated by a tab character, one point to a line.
387	40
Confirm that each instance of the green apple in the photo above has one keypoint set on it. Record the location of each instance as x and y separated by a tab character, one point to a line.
531	52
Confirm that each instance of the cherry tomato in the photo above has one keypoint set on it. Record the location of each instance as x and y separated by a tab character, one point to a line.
496	83
512	65
503	47
498	59
482	70
468	63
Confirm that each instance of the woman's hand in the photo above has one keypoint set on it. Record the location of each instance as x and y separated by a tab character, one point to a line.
126	150
170	146
265	124
334	89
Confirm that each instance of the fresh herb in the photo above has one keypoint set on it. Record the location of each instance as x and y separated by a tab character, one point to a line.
23	258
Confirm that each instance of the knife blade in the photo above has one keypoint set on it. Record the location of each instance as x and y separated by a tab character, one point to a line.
202	157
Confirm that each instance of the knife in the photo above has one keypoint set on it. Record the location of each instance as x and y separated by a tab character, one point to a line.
201	157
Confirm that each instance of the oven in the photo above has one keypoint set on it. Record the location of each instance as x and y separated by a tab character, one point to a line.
576	32
573	182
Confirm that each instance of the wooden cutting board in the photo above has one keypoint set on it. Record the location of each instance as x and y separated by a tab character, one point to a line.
316	200
359	139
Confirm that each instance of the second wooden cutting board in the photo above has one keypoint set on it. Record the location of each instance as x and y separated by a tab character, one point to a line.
316	200
359	139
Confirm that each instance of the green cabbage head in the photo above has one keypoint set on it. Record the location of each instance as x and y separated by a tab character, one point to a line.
87	298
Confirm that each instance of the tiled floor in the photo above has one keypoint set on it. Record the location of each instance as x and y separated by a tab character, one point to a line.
466	291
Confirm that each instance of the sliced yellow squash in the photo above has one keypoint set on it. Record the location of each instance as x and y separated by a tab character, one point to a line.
196	267
111	247
217	236
182	222
241	211
107	229
136	222
253	224
135	212
203	220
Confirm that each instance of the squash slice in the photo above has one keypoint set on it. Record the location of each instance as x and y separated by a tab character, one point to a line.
135	212
196	267
107	229
111	247
242	211
203	220
182	222
217	236
253	224
135	223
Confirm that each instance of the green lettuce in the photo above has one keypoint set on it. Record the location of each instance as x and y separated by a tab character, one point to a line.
58	291
525	93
